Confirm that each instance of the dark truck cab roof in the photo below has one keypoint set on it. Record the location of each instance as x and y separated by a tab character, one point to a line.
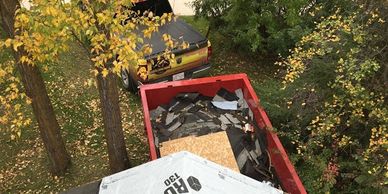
178	29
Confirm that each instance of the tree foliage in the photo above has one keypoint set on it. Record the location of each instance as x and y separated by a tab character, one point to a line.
40	47
110	32
265	26
343	110
26	52
12	99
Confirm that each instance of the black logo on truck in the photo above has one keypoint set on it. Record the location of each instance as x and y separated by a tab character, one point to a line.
175	184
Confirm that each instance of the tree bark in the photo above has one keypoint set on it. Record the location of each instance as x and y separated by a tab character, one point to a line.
35	89
109	101
44	113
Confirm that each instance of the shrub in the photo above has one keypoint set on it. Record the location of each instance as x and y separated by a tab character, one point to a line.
264	26
341	143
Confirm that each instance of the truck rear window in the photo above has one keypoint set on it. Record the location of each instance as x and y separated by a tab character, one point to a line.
158	7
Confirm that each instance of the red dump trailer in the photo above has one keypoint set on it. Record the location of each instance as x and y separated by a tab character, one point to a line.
154	95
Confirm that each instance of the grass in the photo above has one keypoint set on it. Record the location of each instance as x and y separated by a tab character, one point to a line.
24	164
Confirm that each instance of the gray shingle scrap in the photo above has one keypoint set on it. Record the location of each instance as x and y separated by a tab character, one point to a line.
193	114
233	119
226	105
189	113
224	120
157	112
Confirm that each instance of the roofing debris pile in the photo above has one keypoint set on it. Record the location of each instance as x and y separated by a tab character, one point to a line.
193	114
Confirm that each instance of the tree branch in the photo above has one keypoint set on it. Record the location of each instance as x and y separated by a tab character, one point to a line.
78	39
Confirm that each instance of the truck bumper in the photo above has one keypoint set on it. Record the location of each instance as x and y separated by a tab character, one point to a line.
200	71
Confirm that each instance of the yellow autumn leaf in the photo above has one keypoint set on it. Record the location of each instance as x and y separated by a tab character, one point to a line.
117	69
169	17
170	44
101	18
23	59
28	101
185	45
142	62
16	45
150	14
23	18
8	42
95	72
147	50
104	72
2	73
27	122
131	25
17	107
142	73
165	37
163	21
45	68
147	33
89	32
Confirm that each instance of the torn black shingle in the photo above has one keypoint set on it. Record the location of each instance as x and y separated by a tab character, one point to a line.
231	118
188	107
170	117
156	112
187	96
195	114
194	109
224	120
192	114
204	115
229	96
192	118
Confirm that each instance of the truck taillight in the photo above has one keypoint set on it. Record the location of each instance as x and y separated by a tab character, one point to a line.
209	53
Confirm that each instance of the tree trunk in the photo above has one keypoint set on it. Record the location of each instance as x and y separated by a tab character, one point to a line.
44	113
109	99
36	91
109	102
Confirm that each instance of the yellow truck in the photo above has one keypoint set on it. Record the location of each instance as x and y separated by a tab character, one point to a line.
190	62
